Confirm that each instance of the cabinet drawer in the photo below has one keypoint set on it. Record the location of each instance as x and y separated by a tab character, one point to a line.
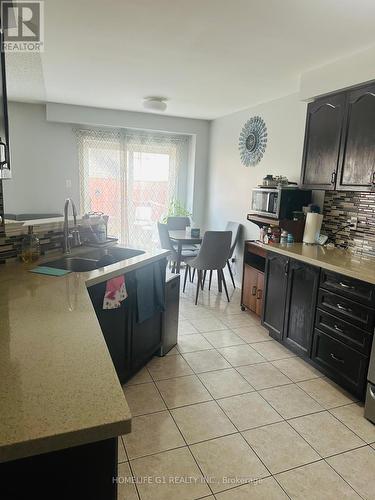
342	330
347	366
348	287
354	313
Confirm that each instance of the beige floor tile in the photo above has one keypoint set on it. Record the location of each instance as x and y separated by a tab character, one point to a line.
326	434
263	376
173	351
143	399
183	391
272	350
315	481
191	343
238	320
352	416
168	367
357	467
228	460
193	312
224	383
250	410
290	401
141	377
205	361
273	444
223	338
202	421
327	393
152	434
163	469
264	489
296	369
241	355
126	489
186	328
208	324
252	333
121	454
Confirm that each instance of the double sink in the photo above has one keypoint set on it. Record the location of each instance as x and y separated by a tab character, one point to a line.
94	259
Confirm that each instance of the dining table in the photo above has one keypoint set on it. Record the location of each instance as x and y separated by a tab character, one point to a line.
183	237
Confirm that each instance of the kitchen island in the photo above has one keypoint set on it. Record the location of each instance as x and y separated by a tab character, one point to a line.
58	386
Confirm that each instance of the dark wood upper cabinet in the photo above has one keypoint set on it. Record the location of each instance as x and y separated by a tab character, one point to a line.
324	122
356	172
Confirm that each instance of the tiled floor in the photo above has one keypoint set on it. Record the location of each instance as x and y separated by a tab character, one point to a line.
232	415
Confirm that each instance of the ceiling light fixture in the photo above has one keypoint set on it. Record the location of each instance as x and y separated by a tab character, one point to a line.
155	103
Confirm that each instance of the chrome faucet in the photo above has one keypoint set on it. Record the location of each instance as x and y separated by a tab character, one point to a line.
71	237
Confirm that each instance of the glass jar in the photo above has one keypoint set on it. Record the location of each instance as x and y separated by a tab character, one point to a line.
30	247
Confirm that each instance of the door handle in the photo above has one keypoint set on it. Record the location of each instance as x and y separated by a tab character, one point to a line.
254	290
259	294
371	391
333	177
373	178
340	360
286	268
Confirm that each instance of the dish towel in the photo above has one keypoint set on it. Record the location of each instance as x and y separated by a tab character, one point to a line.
115	293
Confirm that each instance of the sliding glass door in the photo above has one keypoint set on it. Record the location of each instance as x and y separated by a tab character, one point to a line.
132	177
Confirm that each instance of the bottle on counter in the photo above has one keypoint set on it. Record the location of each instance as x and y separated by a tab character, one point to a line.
276	234
30	247
284	237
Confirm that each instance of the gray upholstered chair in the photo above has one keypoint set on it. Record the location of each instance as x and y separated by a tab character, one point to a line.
212	256
166	244
177	223
235	228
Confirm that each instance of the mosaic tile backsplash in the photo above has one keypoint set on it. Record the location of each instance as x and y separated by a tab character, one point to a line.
339	207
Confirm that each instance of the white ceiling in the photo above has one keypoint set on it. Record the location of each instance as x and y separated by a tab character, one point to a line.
208	57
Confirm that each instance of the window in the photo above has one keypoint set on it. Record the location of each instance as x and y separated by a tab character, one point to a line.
131	177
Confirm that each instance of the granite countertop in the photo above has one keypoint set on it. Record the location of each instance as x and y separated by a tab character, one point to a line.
58	385
334	259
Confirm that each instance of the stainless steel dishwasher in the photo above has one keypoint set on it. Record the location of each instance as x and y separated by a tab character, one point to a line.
169	327
370	392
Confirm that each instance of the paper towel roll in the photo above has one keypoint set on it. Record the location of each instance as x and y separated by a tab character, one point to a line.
312	227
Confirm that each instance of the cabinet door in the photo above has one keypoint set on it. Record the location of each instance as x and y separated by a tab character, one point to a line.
276	278
300	306
249	293
260	288
324	123
357	166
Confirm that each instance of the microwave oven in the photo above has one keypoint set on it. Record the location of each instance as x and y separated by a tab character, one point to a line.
279	203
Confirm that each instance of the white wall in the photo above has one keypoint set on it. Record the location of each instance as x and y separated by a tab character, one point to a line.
230	183
43	156
44	153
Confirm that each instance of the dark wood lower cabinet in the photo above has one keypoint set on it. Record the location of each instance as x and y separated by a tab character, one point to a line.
303	283
276	280
340	362
329	329
83	472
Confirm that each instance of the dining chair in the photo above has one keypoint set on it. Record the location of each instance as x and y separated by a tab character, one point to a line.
235	228
166	244
212	256
177	223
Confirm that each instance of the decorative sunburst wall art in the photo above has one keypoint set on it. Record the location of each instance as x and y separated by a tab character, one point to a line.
253	141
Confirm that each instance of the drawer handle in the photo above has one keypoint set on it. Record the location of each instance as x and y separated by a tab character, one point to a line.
344	285
340	360
338	329
259	294
343	308
254	290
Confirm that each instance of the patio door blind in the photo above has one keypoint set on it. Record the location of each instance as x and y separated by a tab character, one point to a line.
132	177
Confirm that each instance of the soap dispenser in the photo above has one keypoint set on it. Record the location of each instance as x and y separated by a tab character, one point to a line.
30	247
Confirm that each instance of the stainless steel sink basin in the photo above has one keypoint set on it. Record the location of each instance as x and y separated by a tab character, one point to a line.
76	264
94	259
